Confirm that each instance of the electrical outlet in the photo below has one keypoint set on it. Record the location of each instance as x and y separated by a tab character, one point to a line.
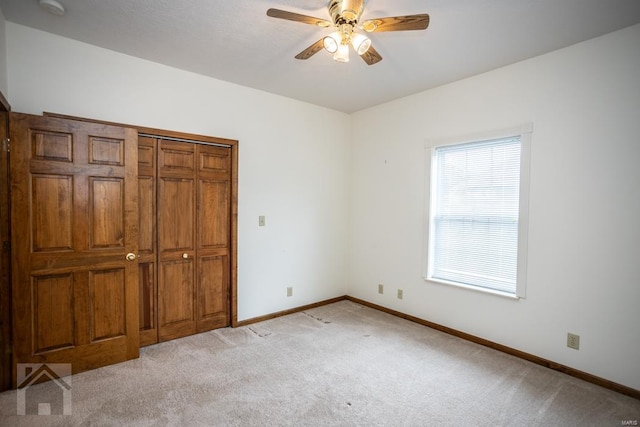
573	341
381	289
290	291
399	293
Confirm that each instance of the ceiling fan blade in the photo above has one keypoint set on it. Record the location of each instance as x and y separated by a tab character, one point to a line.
371	56
283	14
397	23
311	50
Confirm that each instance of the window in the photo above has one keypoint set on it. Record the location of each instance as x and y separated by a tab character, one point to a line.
478	212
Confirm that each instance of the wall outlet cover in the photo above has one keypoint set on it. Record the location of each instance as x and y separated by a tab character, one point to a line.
573	341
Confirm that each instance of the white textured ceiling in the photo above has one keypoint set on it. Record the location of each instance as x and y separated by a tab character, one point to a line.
234	40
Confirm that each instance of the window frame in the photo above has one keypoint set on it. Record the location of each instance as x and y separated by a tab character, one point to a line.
524	132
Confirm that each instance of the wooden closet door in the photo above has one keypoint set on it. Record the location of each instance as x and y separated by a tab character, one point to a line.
147	240
214	237
176	239
194	217
74	211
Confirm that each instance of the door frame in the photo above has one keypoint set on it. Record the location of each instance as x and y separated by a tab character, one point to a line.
195	138
5	250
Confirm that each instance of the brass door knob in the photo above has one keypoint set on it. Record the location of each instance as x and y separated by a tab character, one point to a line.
185	255
131	256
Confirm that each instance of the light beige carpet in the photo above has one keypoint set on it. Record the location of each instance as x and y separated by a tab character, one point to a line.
337	365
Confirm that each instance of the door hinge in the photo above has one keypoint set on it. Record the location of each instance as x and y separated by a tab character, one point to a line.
6	246
6	145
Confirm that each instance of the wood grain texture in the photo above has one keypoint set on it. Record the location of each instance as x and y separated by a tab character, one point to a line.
105	151
233	241
69	245
147	240
159	133
108	297
147	302
177	296
311	50
371	56
291	16
52	212
106	205
147	157
53	312
176	201
194	206
397	23
214	238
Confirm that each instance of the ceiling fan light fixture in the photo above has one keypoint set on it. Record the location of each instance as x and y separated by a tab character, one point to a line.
369	25
349	15
342	55
345	18
332	42
360	43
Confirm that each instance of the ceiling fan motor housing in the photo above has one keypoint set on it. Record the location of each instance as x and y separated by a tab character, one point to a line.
345	11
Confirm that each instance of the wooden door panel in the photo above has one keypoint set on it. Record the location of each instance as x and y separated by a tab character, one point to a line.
176	214
213	298
53	313
214	237
108	297
213	214
146	155
176	239
146	230
51	206
106	151
74	208
176	316
215	159
194	272
54	146
106	199
147	295
177	289
178	157
147	240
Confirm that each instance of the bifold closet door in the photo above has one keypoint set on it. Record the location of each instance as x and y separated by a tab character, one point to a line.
213	237
176	239
147	240
193	204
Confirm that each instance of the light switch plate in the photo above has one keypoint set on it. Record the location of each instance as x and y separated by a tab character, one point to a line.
261	221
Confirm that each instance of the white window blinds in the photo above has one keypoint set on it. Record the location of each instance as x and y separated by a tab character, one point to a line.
475	213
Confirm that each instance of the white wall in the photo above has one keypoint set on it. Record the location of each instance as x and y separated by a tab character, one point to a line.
296	166
584	233
4	86
293	158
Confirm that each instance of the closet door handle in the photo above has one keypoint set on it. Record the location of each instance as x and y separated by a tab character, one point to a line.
131	256
185	255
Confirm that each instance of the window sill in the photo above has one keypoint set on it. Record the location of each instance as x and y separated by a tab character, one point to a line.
473	288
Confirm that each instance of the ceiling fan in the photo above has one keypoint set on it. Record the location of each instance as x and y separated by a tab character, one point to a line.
345	19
